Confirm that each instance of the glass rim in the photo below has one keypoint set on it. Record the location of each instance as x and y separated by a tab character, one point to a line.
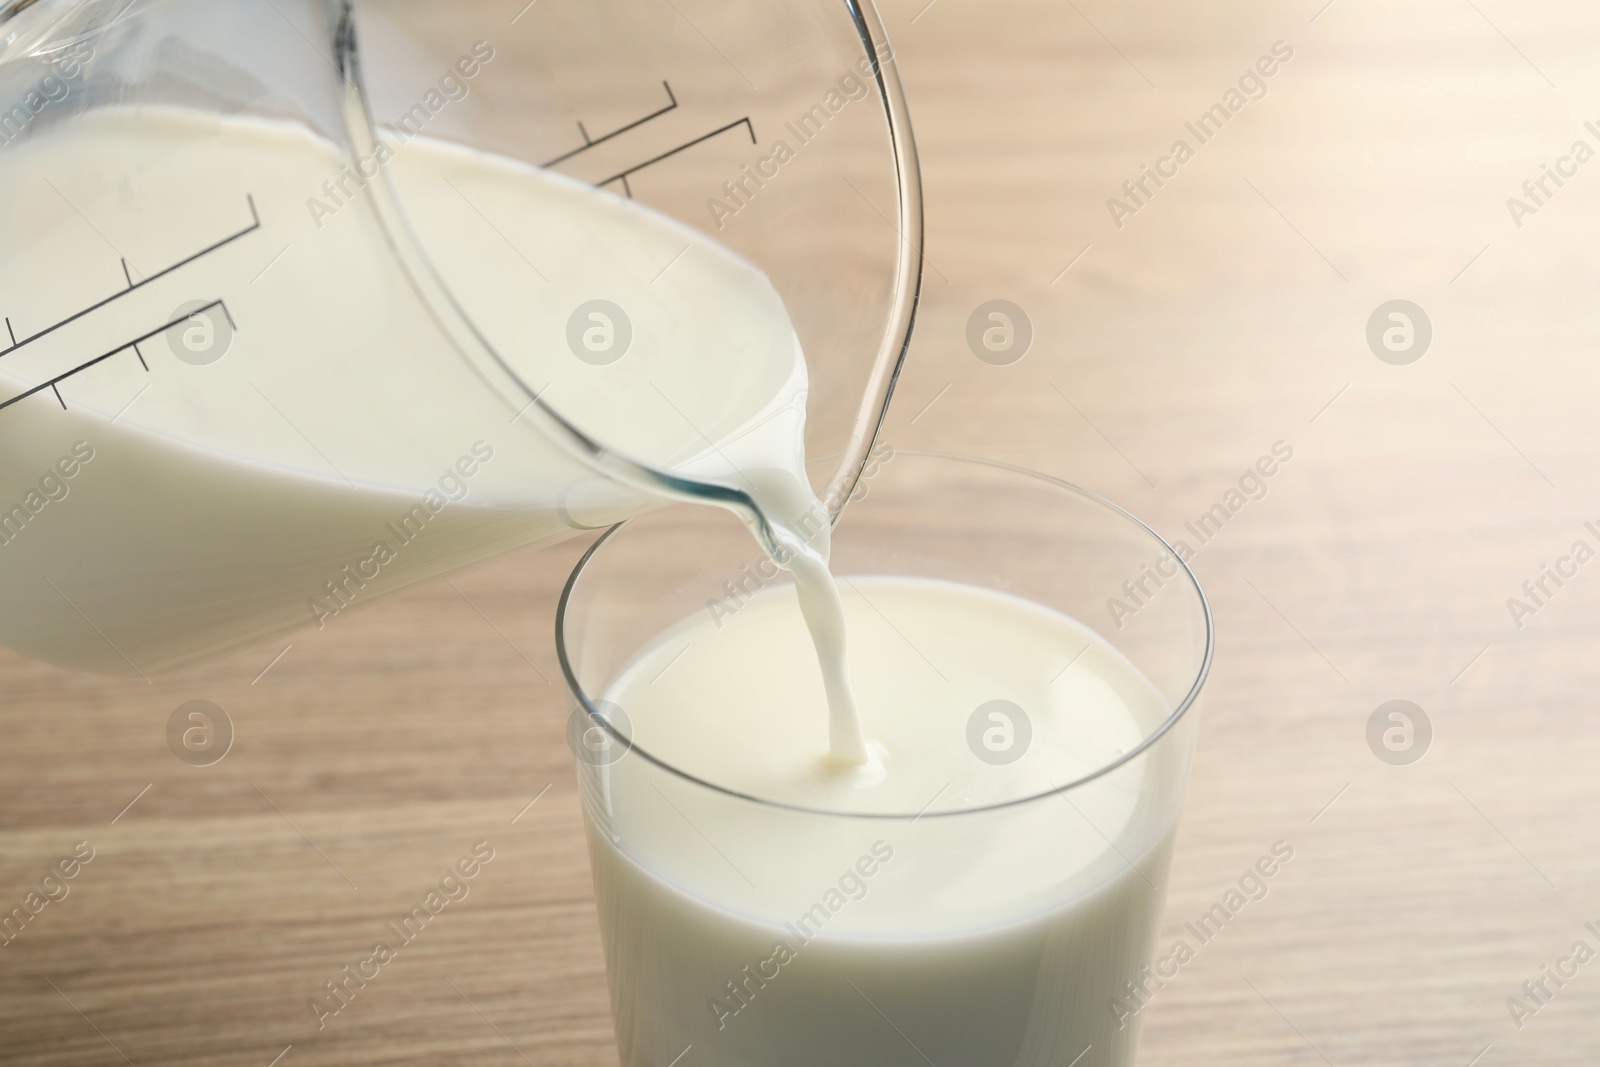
587	703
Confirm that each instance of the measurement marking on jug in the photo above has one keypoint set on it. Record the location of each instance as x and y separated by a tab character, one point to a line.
623	176
255	224
130	345
591	142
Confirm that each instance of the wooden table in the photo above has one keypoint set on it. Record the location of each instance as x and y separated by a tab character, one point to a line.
1227	314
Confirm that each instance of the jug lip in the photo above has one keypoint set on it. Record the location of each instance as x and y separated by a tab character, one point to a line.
586	704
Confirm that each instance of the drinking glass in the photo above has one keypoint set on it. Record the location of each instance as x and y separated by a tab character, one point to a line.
1006	934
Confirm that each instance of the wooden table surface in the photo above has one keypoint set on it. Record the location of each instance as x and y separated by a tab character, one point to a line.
1229	313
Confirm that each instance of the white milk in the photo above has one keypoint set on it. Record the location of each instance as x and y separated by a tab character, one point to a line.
760	934
339	450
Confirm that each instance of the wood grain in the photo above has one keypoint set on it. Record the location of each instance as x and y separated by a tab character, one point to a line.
1226	315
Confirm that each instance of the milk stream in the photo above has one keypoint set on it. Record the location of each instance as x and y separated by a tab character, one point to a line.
337	450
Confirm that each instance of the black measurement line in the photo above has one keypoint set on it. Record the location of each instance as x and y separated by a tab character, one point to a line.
591	142
623	177
125	273
140	354
255	224
9	330
133	344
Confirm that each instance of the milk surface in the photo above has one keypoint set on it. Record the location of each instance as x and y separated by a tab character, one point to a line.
759	933
280	485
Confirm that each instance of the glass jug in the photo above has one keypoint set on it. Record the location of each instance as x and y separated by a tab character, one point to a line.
307	302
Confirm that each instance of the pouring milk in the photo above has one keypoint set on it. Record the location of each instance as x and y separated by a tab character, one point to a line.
189	494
